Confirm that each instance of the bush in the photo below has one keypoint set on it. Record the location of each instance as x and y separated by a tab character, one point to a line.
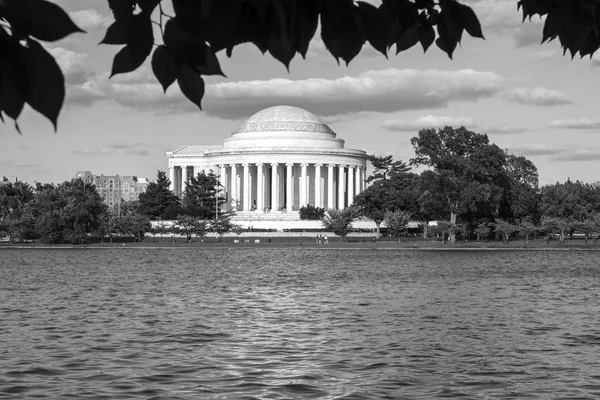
311	213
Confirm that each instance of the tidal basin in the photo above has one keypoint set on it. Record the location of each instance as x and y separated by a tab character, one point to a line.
299	323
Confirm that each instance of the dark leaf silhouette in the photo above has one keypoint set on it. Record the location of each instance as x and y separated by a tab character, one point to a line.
191	85
165	67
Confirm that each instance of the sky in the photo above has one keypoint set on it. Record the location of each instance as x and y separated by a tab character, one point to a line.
527	97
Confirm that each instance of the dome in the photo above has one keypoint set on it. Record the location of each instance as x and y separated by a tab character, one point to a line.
284	118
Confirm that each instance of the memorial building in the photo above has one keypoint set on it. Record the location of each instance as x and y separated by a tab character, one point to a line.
280	159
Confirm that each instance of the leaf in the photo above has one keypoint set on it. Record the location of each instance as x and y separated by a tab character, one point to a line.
282	49
39	18
116	33
45	82
191	85
305	20
471	22
409	38
557	21
426	35
13	83
165	67
453	20
444	41
140	40
376	26
211	65
341	30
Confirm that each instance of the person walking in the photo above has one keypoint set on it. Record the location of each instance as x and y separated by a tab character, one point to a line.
326	240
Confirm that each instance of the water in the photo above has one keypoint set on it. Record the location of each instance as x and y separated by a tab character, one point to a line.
293	323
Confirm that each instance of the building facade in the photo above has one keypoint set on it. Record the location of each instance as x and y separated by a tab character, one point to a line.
280	159
114	188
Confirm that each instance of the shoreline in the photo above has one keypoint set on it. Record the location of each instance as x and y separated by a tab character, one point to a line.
384	245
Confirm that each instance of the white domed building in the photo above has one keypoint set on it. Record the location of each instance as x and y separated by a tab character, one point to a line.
280	159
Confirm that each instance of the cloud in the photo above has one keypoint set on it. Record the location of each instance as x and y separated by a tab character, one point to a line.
534	150
427	121
384	91
72	65
577	155
529	34
537	97
504	129
582	123
90	19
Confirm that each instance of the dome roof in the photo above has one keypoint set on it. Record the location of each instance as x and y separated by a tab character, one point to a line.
284	118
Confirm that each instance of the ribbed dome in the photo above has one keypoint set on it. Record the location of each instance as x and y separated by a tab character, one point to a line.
283	118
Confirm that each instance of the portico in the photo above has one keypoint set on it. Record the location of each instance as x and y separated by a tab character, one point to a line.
280	159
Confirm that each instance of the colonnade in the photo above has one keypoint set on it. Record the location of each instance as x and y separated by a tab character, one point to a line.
267	187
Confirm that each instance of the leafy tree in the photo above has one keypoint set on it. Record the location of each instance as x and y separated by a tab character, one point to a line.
520	188
189	225
222	224
311	213
526	228
132	224
447	228
590	227
505	228
158	202
201	196
339	221
465	169
397	222
482	231
385	167
555	225
464	229
13	198
67	212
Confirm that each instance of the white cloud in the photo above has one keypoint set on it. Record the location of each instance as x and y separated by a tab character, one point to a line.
89	19
427	121
504	129
537	96
582	123
384	91
72	65
579	155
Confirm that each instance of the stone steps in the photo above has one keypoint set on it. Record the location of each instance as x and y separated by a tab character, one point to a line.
262	216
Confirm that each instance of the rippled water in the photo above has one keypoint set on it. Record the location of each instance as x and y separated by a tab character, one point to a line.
293	323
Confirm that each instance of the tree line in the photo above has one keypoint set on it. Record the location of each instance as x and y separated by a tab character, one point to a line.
469	186
73	211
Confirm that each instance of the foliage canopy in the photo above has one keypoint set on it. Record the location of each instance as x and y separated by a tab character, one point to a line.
190	39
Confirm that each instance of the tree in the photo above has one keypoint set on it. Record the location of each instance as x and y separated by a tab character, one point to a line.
526	228
15	218
158	201
392	188
132	224
189	225
557	226
482	231
67	212
339	221
463	228
505	228
397	222
385	167
520	189
222	224
311	213
465	169
202	196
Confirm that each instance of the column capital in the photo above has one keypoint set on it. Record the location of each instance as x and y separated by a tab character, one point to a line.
274	164
245	164
259	164
289	164
318	165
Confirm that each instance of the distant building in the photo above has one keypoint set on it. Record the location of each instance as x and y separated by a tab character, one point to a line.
115	188
5	180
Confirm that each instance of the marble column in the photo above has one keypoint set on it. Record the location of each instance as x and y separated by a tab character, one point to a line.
330	191
223	181
290	188
358	180
363	181
260	192
234	188
303	185
350	185
318	200
246	190
172	179
274	187
341	194
184	178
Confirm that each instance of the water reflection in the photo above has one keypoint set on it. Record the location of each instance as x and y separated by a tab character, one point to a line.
292	323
